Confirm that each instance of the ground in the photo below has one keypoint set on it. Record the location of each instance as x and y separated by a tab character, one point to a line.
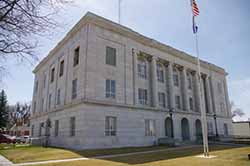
225	156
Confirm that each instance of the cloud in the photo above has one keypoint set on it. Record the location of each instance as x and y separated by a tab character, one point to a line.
239	91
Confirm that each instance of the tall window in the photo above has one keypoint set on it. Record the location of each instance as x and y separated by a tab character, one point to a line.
42	104
162	100
40	129
76	56
225	129
191	103
50	97
52	76
32	130
58	97
110	126
74	89
36	86
61	68
178	102
44	80
72	126
160	73
210	128
189	79
150	127
34	106
142	69
56	127
110	88
219	87
143	96
222	107
110	56
175	77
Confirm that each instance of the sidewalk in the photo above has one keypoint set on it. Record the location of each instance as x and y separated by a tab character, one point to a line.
5	162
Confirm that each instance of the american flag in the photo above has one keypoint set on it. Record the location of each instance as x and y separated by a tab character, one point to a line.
195	8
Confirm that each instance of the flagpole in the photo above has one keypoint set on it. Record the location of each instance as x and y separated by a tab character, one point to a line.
203	113
119	11
202	106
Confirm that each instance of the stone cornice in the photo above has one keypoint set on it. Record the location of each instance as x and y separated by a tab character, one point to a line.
129	107
91	18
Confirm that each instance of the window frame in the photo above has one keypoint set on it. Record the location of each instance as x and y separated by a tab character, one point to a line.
160	73
142	69
143	96
72	126
110	126
176	78
177	102
110	89
76	56
111	54
52	75
61	70
162	99
74	89
56	131
150	127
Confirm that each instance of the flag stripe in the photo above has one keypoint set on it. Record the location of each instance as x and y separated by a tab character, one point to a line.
195	8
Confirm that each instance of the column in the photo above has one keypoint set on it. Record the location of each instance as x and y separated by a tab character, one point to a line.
170	85
154	87
197	92
209	101
184	88
135	89
212	95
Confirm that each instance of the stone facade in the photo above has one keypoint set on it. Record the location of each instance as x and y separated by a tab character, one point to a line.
90	106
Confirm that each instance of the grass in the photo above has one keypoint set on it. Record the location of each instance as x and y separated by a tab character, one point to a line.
226	156
21	154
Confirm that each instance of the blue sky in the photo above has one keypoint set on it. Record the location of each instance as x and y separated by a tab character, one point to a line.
224	36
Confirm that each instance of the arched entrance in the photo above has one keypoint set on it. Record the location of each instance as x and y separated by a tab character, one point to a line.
185	129
198	129
168	127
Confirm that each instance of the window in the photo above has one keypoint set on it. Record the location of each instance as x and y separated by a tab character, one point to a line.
176	77
178	102
36	86
219	87
191	103
160	73
72	126
143	97
42	104
162	100
32	130
52	76
56	127
74	89
225	129
76	56
34	106
110	56
58	97
142	69
110	88
110	126
150	127
44	80
222	107
61	68
189	79
210	128
40	129
50	97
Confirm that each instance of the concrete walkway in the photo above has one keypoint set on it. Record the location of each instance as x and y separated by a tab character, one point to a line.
4	161
8	163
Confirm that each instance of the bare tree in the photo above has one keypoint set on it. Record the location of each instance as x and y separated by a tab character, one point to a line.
236	111
21	22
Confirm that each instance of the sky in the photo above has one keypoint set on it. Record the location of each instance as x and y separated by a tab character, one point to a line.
224	38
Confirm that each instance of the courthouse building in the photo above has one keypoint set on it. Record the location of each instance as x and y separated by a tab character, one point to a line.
105	85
